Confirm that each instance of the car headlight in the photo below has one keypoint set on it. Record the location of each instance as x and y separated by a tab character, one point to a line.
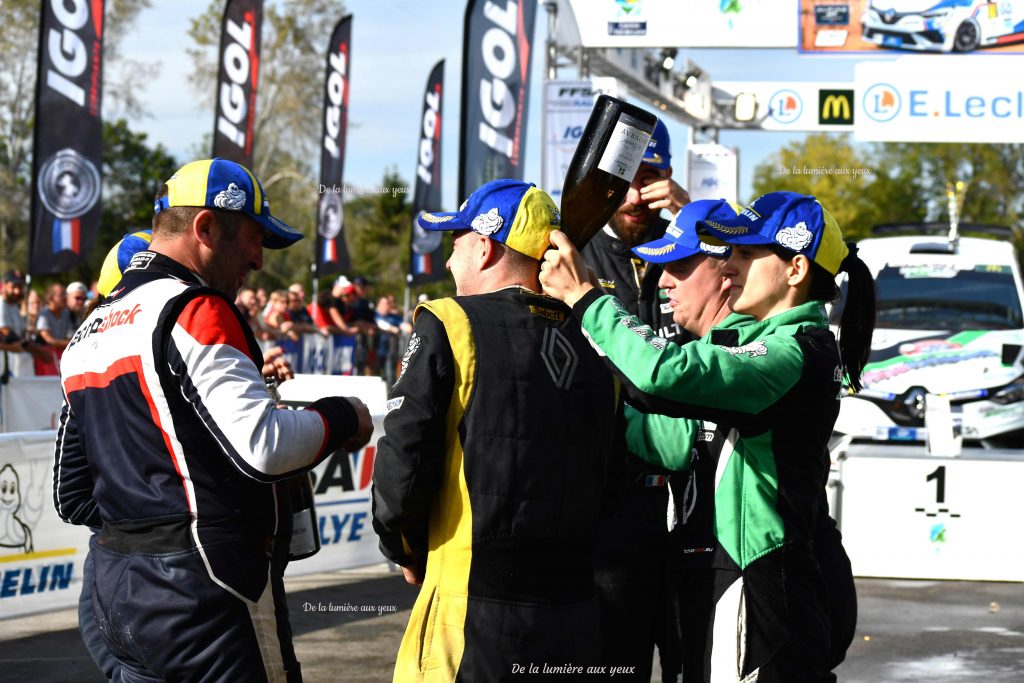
1011	393
938	13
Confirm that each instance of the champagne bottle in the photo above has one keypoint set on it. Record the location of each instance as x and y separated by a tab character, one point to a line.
305	525
603	166
305	540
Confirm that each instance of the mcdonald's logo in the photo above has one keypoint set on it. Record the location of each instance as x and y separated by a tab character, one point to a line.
835	107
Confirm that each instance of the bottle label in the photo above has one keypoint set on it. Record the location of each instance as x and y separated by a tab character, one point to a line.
303	539
625	148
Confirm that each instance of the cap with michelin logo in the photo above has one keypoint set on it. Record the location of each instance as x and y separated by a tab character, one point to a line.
794	221
222	184
681	240
517	214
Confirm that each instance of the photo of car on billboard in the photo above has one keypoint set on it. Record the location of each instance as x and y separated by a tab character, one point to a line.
940	26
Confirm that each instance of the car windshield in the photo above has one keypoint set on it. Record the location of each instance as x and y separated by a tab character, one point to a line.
942	298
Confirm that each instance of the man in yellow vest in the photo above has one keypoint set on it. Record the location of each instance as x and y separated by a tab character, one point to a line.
498	439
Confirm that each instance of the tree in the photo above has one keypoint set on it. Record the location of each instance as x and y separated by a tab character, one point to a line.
18	55
378	225
904	182
827	167
994	175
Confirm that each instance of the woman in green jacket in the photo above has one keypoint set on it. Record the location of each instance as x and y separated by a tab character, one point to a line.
770	377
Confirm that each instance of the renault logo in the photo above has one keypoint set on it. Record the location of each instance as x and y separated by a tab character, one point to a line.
835	107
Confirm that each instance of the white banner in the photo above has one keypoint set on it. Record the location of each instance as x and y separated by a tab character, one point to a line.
908	515
712	172
41	556
941	99
342	481
30	404
567	106
800	106
681	23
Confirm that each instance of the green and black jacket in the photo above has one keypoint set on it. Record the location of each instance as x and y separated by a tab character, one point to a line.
771	386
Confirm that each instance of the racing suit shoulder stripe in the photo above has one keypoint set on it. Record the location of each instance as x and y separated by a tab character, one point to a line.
101	380
208	320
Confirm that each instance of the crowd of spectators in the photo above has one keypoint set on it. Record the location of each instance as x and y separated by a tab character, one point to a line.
35	327
345	309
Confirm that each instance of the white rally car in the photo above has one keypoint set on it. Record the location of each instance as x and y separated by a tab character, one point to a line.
942	25
948	323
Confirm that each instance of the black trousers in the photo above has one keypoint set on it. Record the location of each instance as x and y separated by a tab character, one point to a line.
163	618
635	593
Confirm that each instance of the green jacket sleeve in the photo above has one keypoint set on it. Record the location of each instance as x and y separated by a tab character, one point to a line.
696	380
661	440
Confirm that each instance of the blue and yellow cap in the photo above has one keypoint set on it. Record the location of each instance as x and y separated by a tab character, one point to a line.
659	149
517	214
681	240
794	221
222	184
118	257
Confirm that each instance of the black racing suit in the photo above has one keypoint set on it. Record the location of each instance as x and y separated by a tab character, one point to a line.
634	556
497	442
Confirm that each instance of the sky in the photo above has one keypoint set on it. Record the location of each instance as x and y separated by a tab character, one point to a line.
395	43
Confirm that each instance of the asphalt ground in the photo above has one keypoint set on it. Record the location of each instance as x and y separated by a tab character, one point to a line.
348	625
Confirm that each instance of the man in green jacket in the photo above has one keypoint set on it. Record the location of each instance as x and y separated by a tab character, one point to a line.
770	377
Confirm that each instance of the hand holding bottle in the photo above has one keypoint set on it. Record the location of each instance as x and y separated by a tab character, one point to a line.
563	273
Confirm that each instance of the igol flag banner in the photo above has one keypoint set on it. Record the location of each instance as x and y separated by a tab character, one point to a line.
426	255
68	138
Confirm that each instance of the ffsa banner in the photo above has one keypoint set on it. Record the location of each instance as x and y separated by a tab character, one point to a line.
426	256
331	250
496	56
68	142
712	172
238	75
567	107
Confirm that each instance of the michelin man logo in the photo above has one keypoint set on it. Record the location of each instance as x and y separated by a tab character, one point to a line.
232	199
796	238
487	223
755	349
15	532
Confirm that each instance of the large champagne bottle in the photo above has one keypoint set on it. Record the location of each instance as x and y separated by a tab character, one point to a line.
305	527
603	166
305	540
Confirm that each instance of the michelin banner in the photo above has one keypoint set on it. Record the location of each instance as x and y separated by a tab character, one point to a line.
41	557
567	107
